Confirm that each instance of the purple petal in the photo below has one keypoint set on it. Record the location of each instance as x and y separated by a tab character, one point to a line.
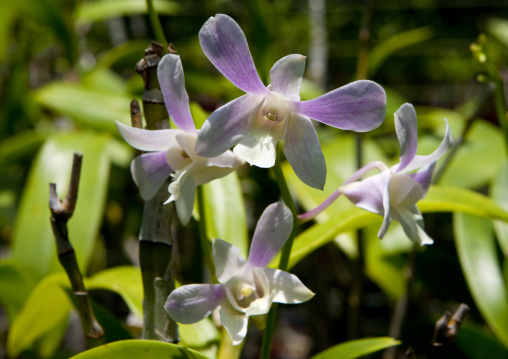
286	76
272	231
146	140
422	161
172	82
226	126
368	194
359	106
234	321
407	133
225	45
228	262
303	151
149	172
194	302
287	287
424	176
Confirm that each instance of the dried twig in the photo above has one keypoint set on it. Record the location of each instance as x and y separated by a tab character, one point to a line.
61	212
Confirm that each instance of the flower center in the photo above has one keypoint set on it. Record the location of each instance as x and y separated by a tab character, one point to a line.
246	290
275	108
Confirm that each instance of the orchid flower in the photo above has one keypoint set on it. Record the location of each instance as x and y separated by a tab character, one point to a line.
172	151
245	287
394	192
256	121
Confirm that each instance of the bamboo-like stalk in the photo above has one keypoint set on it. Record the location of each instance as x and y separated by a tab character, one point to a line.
61	212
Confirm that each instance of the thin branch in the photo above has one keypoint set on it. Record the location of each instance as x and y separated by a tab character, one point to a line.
61	212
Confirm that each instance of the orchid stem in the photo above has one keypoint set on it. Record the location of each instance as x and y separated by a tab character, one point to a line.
286	251
156	24
203	237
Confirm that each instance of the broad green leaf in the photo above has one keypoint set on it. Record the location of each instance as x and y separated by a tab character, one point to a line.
20	145
101	10
478	342
198	335
499	28
6	19
50	341
476	249
139	349
225	211
45	308
87	106
15	286
33	241
125	281
438	199
499	193
123	55
483	151
399	41
357	348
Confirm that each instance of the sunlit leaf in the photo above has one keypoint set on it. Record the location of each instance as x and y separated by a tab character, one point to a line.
124	280
101	10
499	28
33	241
476	248
499	193
225	211
198	335
139	349
357	348
478	342
45	308
22	144
399	41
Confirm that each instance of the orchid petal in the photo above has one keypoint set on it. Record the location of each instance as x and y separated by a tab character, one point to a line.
387	218
422	161
234	321
172	83
272	231
424	177
404	191
149	172
184	199
287	287
257	149
303	151
226	126
228	262
359	106
286	76
227	159
412	223
225	45
368	194
194	302
147	140
407	133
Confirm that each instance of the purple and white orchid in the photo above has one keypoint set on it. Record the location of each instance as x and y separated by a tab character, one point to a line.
246	287
256	121
394	192
172	151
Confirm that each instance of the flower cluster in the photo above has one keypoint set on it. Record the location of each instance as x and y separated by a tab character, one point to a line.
252	125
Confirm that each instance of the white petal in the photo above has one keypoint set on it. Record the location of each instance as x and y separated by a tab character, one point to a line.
228	262
286	76
149	172
234	321
404	191
147	140
412	223
407	133
287	287
257	150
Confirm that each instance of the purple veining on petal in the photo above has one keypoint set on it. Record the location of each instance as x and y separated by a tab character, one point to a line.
272	231
149	172
225	45
172	83
286	76
359	106
407	133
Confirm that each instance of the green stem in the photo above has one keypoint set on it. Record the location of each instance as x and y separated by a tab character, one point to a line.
203	238
156	24
284	258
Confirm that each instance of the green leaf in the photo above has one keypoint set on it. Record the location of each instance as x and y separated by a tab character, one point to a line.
198	335
45	308
33	242
89	107
102	10
499	28
399	41
357	348
476	249
483	141
123	280
22	144
478	342
499	193
15	286
139	349
225	211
